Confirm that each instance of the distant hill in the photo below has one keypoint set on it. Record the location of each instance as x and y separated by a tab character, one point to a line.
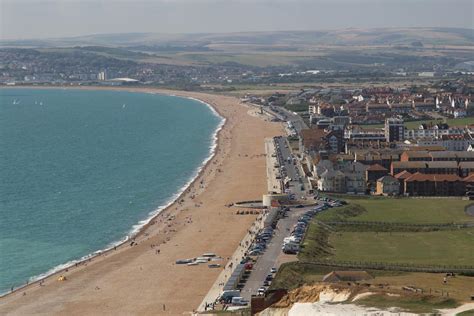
370	37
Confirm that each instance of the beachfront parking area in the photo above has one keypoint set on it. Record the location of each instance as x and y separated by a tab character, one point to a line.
269	258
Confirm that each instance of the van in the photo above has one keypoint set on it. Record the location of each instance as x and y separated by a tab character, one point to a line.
291	248
239	301
228	295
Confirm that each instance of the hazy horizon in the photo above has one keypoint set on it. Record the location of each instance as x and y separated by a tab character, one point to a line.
42	19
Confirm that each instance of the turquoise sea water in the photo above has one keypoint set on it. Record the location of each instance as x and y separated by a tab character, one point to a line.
80	169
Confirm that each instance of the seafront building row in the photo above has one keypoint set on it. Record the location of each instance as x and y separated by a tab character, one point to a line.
389	165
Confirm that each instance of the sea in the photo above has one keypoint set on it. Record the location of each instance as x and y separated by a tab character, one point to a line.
80	170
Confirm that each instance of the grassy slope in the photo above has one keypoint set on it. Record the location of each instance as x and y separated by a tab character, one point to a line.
415	303
453	247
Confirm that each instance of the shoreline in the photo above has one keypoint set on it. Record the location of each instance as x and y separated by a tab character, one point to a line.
139	228
138	280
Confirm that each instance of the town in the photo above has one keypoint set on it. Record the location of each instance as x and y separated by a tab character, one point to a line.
383	141
340	179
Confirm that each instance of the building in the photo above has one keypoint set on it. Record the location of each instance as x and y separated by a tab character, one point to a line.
102	76
314	140
394	130
377	108
387	185
419	184
466	168
401	108
426	167
415	155
401	179
365	134
452	156
375	172
332	181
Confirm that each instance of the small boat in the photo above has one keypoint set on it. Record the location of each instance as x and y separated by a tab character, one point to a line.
184	261
216	259
200	261
193	263
209	254
203	258
214	265
123	106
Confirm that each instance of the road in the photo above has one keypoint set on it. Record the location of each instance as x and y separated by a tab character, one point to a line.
292	171
289	116
269	258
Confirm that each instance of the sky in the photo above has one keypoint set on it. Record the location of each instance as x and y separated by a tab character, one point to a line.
35	19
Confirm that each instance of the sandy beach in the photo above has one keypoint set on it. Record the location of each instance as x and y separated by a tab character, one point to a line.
143	279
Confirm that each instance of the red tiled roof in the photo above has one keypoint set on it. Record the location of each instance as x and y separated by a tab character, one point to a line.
469	178
376	167
403	175
433	177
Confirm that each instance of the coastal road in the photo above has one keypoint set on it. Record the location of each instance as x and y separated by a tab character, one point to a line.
289	116
268	259
292	170
283	114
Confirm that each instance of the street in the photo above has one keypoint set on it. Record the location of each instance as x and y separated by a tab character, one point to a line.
291	169
269	258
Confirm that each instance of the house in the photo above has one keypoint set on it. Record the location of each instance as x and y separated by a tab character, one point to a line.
417	155
322	166
424	106
377	108
332	181
375	172
419	184
347	276
426	167
401	179
457	142
314	140
466	168
452	156
401	108
355	176
387	185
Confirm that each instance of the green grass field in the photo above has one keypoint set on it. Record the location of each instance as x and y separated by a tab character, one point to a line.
423	211
428	248
393	244
451	246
